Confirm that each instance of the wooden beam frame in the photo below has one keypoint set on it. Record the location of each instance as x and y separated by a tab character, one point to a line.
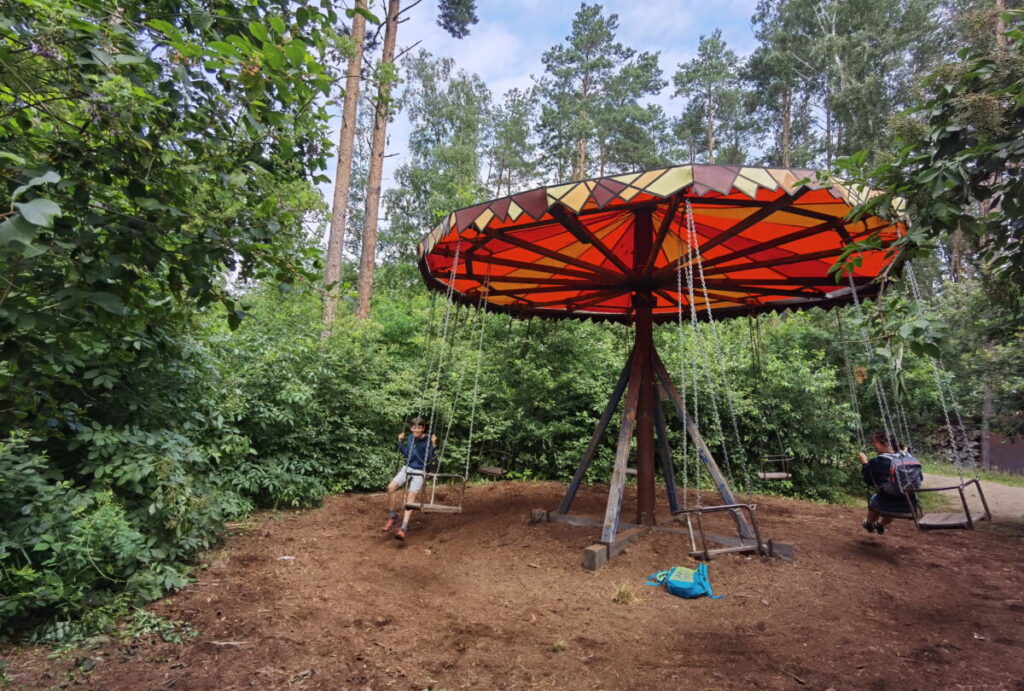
571	222
550	254
753	218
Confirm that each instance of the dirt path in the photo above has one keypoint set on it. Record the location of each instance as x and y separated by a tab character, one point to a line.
485	600
1006	503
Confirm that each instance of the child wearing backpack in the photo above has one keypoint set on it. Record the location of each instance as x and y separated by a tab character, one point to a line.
891	473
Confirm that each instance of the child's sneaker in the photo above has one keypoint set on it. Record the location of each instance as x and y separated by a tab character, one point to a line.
879	528
869	526
400	535
389	525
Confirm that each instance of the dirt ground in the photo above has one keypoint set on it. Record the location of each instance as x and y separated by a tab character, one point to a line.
486	600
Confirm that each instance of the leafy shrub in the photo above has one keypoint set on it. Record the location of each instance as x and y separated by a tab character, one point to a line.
63	549
279	481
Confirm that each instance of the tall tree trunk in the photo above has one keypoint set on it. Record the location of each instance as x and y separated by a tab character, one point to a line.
1000	7
710	127
987	413
343	174
581	160
828	129
368	256
787	125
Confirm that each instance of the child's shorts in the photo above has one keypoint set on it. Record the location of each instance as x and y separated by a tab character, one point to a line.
415	478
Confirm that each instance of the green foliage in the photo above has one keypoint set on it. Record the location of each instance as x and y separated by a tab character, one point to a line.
456	16
150	153
709	83
64	549
956	169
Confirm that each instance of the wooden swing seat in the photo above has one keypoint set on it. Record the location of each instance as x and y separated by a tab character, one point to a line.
780	462
433	508
940	521
948	520
491	471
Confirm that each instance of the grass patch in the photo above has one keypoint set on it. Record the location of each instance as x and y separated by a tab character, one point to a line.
938	468
626	594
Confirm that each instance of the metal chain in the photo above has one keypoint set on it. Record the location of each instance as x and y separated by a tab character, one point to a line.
938	370
682	363
445	344
883	404
481	313
695	324
849	381
718	368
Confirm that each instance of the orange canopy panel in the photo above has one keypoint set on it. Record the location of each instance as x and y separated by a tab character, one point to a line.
765	239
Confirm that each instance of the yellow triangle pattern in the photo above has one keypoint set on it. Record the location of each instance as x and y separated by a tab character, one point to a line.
672	181
514	211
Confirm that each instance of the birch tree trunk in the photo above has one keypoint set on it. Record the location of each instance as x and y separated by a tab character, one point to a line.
343	173
787	124
368	255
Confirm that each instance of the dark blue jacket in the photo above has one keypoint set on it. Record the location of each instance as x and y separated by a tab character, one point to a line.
417	452
875	473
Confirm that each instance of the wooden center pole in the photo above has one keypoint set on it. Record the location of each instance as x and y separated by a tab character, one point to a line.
643	302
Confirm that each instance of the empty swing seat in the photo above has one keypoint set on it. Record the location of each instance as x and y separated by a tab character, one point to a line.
775	467
945	521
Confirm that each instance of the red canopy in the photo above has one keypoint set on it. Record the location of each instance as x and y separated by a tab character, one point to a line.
767	238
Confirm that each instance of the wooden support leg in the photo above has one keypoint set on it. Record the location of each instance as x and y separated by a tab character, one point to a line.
665	456
618	483
595	441
706	458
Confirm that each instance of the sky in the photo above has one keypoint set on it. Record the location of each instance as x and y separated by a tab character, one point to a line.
504	48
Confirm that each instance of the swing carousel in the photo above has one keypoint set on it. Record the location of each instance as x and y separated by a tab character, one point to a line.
700	242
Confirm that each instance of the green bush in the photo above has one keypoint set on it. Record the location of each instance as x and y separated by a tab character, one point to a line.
64	549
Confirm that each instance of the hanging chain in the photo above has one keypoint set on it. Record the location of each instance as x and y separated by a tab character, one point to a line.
481	313
849	381
444	341
883	403
718	368
695	324
682	365
941	383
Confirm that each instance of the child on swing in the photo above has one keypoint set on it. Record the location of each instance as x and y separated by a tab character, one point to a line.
417	450
877	474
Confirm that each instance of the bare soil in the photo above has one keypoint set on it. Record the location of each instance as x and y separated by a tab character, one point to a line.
486	600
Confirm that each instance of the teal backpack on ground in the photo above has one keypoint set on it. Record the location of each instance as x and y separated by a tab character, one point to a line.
684	582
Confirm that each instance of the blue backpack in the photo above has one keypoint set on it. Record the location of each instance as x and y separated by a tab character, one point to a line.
684	582
904	473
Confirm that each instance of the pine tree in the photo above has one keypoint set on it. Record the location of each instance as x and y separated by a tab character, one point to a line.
343	172
709	83
590	96
456	16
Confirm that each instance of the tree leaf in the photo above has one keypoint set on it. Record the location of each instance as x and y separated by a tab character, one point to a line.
259	31
17	229
40	212
47	177
108	301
